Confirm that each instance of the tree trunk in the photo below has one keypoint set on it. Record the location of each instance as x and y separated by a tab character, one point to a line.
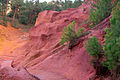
14	17
3	10
6	7
32	17
55	7
29	15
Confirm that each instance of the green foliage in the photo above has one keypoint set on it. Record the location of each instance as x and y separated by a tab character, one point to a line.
113	40
4	21
23	20
69	34
99	11
112	43
94	49
86	1
77	3
85	22
3	6
80	31
16	4
91	25
29	9
67	4
93	46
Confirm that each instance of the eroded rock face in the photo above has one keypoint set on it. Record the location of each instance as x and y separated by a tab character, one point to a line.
46	17
43	51
9	73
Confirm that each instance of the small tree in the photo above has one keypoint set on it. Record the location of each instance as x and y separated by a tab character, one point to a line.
93	47
16	6
70	35
100	10
112	44
80	31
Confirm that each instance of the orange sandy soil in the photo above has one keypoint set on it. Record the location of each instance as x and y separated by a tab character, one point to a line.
10	39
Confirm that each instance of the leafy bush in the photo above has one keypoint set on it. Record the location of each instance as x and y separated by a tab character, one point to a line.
94	49
93	46
23	20
69	34
112	43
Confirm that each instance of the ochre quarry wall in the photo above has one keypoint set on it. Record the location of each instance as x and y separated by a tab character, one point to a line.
43	52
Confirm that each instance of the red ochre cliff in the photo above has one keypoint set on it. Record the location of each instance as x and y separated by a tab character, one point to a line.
43	58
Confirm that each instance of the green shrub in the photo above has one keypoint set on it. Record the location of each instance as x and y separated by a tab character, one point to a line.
112	43
91	25
69	34
23	20
93	47
80	31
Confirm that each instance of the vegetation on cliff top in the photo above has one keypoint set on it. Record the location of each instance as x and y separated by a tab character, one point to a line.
101	10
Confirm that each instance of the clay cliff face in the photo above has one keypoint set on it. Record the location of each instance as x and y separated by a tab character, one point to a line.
43	51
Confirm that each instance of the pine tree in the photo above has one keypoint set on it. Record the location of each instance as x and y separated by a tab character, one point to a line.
93	46
68	33
70	36
94	49
100	10
112	43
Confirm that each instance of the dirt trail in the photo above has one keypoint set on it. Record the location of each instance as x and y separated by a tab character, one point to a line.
10	39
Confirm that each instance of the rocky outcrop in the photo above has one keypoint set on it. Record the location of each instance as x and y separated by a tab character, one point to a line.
9	73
